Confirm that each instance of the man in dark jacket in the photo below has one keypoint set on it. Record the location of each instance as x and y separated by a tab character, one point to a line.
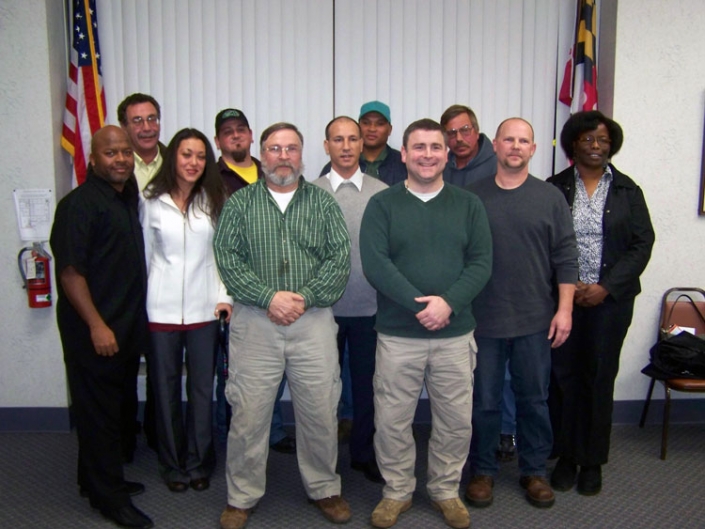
233	136
378	159
471	157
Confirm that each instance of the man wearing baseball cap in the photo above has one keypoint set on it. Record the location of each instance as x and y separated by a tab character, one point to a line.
233	136
378	159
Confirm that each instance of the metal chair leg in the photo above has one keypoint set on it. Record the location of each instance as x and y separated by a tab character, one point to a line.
645	411
666	416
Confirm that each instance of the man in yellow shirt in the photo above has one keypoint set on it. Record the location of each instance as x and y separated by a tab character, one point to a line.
233	136
139	116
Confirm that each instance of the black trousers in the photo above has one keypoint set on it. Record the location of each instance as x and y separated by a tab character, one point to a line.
583	372
361	338
99	406
185	444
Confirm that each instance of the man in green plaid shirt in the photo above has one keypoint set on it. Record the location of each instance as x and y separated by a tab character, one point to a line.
283	252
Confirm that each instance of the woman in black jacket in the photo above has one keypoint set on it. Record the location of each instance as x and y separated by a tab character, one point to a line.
615	238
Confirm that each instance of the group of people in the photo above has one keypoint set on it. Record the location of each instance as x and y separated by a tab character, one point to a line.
444	264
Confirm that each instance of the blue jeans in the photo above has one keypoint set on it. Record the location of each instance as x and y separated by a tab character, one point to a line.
530	368
509	407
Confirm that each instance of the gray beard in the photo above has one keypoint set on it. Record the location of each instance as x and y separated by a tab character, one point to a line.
283	181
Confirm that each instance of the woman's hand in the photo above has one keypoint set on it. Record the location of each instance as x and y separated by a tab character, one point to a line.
590	295
224	307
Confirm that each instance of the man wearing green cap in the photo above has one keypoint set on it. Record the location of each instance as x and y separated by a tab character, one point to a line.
378	159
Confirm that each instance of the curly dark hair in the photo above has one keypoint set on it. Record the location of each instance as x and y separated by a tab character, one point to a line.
210	181
586	121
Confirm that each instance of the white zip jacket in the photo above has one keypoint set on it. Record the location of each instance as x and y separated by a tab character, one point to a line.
183	285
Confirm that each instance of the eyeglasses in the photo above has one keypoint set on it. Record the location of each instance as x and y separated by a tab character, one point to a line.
276	150
603	141
465	131
139	121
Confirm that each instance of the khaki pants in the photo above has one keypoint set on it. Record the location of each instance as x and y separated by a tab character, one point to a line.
260	353
402	366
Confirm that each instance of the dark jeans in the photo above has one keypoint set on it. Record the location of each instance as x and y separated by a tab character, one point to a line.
361	338
530	368
509	407
582	381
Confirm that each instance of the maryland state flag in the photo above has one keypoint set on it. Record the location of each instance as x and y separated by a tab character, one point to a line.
85	97
579	88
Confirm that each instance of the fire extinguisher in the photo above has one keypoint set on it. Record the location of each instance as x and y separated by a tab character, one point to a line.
36	275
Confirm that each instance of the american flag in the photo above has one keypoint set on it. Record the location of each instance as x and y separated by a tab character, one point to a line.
85	97
579	88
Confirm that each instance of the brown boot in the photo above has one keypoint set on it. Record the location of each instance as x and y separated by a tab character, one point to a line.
234	518
334	508
538	492
479	491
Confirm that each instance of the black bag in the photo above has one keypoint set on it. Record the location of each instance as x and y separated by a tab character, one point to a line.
679	356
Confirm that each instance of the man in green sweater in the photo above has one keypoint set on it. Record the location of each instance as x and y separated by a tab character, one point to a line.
426	248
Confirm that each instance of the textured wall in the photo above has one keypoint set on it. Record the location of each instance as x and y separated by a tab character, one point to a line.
659	101
32	73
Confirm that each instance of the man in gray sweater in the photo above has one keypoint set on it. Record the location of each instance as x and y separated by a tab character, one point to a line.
355	311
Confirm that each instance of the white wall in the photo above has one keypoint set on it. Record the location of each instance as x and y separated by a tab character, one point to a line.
659	100
32	84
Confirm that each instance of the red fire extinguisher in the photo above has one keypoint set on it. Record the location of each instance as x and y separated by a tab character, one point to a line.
36	275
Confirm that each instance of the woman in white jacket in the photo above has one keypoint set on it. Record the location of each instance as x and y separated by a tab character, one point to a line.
184	297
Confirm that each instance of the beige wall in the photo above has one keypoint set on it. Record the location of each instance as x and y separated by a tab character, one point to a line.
659	100
32	84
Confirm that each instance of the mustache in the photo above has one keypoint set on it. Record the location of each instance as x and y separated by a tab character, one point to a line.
284	164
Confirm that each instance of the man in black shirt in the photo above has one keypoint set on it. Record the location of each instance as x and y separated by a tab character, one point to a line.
97	244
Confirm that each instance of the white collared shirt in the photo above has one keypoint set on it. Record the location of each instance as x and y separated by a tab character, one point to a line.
336	179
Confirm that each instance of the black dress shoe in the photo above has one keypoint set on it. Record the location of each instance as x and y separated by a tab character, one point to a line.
177	486
200	484
285	446
507	448
128	516
133	489
370	469
563	475
590	480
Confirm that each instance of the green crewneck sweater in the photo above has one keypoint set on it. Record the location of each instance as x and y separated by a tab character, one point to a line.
410	248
